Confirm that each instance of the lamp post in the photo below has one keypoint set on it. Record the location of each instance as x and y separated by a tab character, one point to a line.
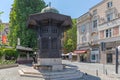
117	63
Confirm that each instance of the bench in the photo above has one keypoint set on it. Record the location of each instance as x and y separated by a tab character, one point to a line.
43	67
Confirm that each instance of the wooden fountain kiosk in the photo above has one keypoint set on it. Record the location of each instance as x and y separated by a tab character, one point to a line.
50	26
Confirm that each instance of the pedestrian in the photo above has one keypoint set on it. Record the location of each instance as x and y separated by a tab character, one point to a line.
70	56
34	58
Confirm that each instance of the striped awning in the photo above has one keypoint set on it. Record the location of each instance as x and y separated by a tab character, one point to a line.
80	51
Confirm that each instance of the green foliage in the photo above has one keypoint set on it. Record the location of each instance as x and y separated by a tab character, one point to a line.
1	53
71	38
1	12
7	62
0	16
10	54
69	45
21	9
1	29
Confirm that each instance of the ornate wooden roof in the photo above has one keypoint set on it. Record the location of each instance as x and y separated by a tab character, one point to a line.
37	19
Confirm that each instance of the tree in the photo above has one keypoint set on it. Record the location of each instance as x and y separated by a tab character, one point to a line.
20	11
69	45
70	38
1	28
1	13
1	25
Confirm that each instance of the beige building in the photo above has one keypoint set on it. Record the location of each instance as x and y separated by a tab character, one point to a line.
104	27
109	29
83	37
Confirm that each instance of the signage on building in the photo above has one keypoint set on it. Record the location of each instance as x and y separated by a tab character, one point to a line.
4	39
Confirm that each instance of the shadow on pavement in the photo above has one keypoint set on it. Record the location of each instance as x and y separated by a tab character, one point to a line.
72	66
90	77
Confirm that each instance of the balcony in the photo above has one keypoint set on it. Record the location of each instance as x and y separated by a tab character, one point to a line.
109	24
94	43
82	45
94	30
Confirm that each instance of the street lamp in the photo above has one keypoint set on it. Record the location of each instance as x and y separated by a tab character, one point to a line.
117	63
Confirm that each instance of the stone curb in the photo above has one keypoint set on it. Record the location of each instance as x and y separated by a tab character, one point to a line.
8	66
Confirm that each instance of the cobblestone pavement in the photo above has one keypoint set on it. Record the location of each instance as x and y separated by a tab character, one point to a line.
89	68
96	70
12	74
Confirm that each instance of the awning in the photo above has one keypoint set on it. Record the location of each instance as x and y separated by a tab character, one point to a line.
24	48
73	54
80	51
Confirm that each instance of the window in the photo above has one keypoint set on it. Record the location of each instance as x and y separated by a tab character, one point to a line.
109	4
94	23
54	30
95	12
109	16
84	39
54	43
44	29
83	28
45	42
109	58
93	57
108	33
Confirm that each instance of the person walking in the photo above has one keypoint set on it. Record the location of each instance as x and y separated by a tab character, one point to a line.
70	56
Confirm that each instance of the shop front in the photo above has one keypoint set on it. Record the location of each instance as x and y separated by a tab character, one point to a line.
94	56
82	55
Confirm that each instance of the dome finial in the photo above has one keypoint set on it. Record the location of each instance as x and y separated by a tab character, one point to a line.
49	4
49	9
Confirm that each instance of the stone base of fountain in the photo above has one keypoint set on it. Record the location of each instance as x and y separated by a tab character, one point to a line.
67	73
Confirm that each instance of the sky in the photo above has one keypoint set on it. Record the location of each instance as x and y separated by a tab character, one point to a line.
73	8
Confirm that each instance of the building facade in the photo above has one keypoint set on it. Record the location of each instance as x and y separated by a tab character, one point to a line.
104	27
109	29
83	28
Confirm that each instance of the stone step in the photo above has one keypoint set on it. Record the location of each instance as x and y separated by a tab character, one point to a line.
71	75
34	71
65	76
29	75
